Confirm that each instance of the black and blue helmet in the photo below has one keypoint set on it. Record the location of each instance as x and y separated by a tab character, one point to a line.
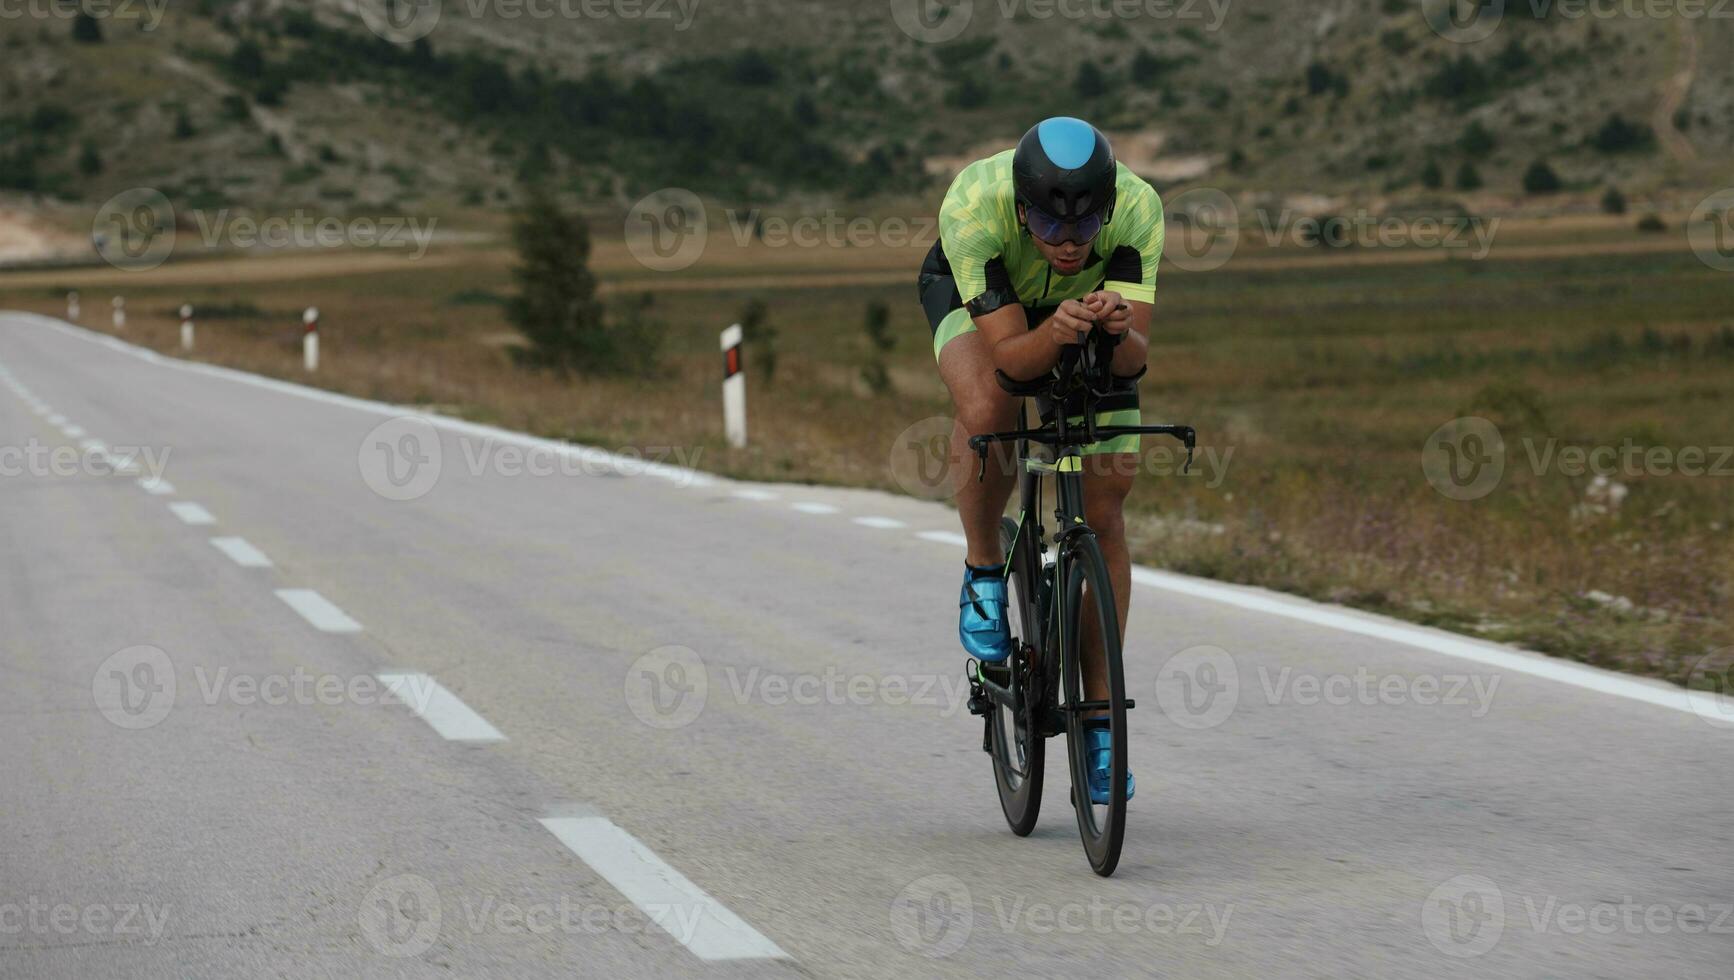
1065	169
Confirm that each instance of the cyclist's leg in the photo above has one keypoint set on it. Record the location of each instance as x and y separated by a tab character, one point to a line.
979	406
1108	479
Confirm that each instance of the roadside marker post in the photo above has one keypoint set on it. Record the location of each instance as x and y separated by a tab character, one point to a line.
187	327
310	341
72	306
734	389
120	313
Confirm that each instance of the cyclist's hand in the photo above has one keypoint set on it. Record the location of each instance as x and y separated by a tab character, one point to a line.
1070	323
1111	310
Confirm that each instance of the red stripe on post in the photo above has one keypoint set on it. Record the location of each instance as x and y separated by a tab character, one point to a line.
731	362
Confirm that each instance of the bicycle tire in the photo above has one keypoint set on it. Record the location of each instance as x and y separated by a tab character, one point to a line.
1089	592
1017	745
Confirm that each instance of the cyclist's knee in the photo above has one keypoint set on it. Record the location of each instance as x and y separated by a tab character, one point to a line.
1106	486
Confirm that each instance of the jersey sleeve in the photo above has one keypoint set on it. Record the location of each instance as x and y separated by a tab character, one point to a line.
973	245
1143	232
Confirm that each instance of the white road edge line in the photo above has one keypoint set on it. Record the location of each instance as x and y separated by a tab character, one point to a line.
1535	664
241	552
683	910
1504	658
191	513
444	711
318	610
1517	661
684	477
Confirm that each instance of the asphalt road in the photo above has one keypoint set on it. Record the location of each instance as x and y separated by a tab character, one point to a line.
652	723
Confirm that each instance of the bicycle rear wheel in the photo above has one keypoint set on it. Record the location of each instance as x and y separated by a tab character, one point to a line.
1015	742
1089	599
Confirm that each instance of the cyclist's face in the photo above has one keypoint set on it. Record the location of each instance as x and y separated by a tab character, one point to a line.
1066	258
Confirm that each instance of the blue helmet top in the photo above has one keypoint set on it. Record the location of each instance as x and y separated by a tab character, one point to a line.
1065	168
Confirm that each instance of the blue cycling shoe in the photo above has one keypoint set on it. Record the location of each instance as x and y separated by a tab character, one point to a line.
1101	749
981	622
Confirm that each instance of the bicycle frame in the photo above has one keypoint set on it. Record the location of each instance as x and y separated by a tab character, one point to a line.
1068	441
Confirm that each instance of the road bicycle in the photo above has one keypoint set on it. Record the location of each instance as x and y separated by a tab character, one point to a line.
1038	692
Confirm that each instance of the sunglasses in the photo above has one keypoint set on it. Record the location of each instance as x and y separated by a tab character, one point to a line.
1056	232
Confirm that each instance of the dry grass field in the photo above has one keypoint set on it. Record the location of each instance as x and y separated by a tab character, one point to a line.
1316	379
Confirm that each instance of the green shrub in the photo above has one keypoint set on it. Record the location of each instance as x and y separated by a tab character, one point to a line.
1616	135
1613	202
1541	179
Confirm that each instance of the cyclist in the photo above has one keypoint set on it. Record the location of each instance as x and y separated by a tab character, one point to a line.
1038	247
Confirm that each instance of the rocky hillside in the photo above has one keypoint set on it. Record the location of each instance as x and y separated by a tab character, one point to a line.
444	104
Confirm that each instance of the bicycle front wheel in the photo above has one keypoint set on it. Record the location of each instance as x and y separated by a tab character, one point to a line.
1088	613
1016	743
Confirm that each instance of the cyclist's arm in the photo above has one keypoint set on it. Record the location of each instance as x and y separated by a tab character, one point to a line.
1023	353
1130	319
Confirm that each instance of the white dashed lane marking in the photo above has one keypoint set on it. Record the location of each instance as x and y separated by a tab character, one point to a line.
241	552
683	910
808	507
191	513
944	537
318	610
751	494
880	523
444	712
72	431
156	487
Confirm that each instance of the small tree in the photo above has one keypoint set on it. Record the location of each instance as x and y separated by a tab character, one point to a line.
1613	202
89	160
1476	140
756	329
1468	178
556	308
86	29
1432	177
1540	179
184	126
880	343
